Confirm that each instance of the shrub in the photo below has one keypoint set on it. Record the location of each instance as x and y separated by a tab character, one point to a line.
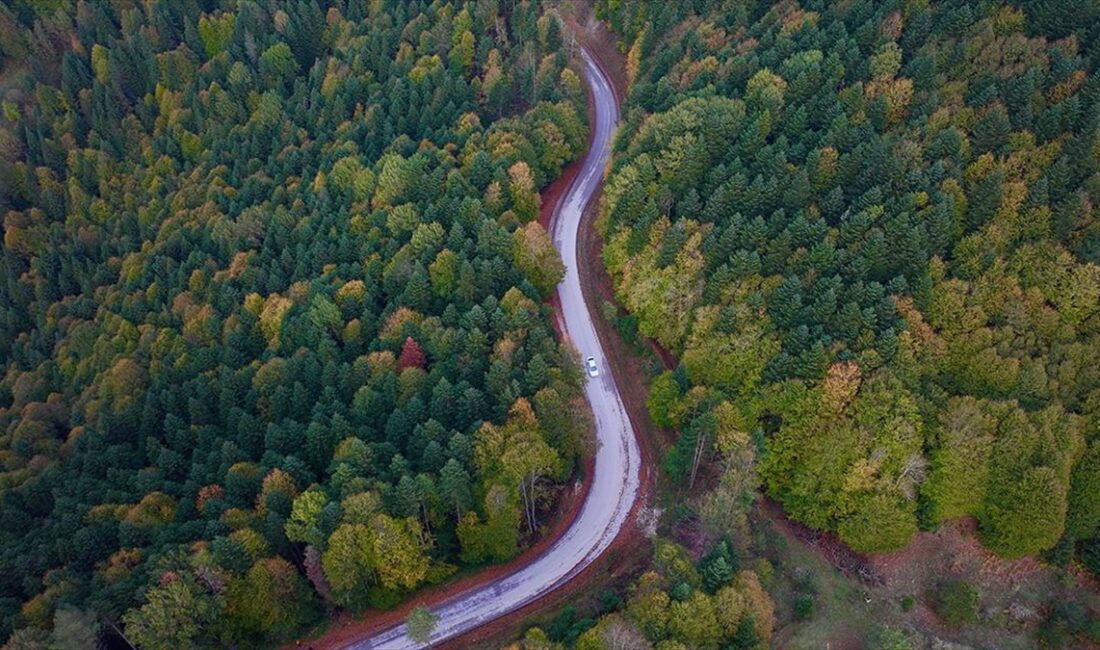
956	602
718	567
681	592
1089	552
888	638
804	607
1066	621
610	601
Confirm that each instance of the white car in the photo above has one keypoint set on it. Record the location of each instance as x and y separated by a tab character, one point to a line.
590	366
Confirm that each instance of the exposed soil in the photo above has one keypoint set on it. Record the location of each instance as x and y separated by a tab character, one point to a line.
581	22
551	195
825	545
1015	593
864	591
620	564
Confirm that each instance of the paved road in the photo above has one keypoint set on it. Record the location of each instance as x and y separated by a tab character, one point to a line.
618	461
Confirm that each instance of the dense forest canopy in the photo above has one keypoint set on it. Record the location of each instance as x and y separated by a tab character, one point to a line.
870	231
271	311
679	604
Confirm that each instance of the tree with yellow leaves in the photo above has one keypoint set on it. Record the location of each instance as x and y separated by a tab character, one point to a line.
536	257
523	193
517	454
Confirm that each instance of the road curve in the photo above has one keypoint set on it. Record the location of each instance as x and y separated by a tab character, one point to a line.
618	460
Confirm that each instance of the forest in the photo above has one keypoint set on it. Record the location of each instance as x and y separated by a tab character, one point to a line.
869	232
678	604
272	319
276	329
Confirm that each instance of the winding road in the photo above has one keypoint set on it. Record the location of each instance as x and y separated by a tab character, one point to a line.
618	460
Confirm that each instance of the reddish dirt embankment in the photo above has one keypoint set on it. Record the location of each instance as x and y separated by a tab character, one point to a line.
629	552
346	628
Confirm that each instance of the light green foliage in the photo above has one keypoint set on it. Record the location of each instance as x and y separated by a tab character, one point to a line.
349	563
1028	516
694	623
215	32
427	238
324	315
277	63
882	254
765	90
272	599
957	483
857	466
517	455
886	62
730	361
462	52
392	179
536	257
100	64
672	561
250	249
497	537
1029	480
888	638
75	630
400	551
420	622
1083	508
693	619
349	175
661	296
521	190
305	518
443	271
663	401
385	551
177	613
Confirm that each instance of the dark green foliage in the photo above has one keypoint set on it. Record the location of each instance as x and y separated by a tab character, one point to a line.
804	607
1067	624
866	239
259	282
745	637
956	602
681	592
1089	551
566	627
610	601
1061	554
718	567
